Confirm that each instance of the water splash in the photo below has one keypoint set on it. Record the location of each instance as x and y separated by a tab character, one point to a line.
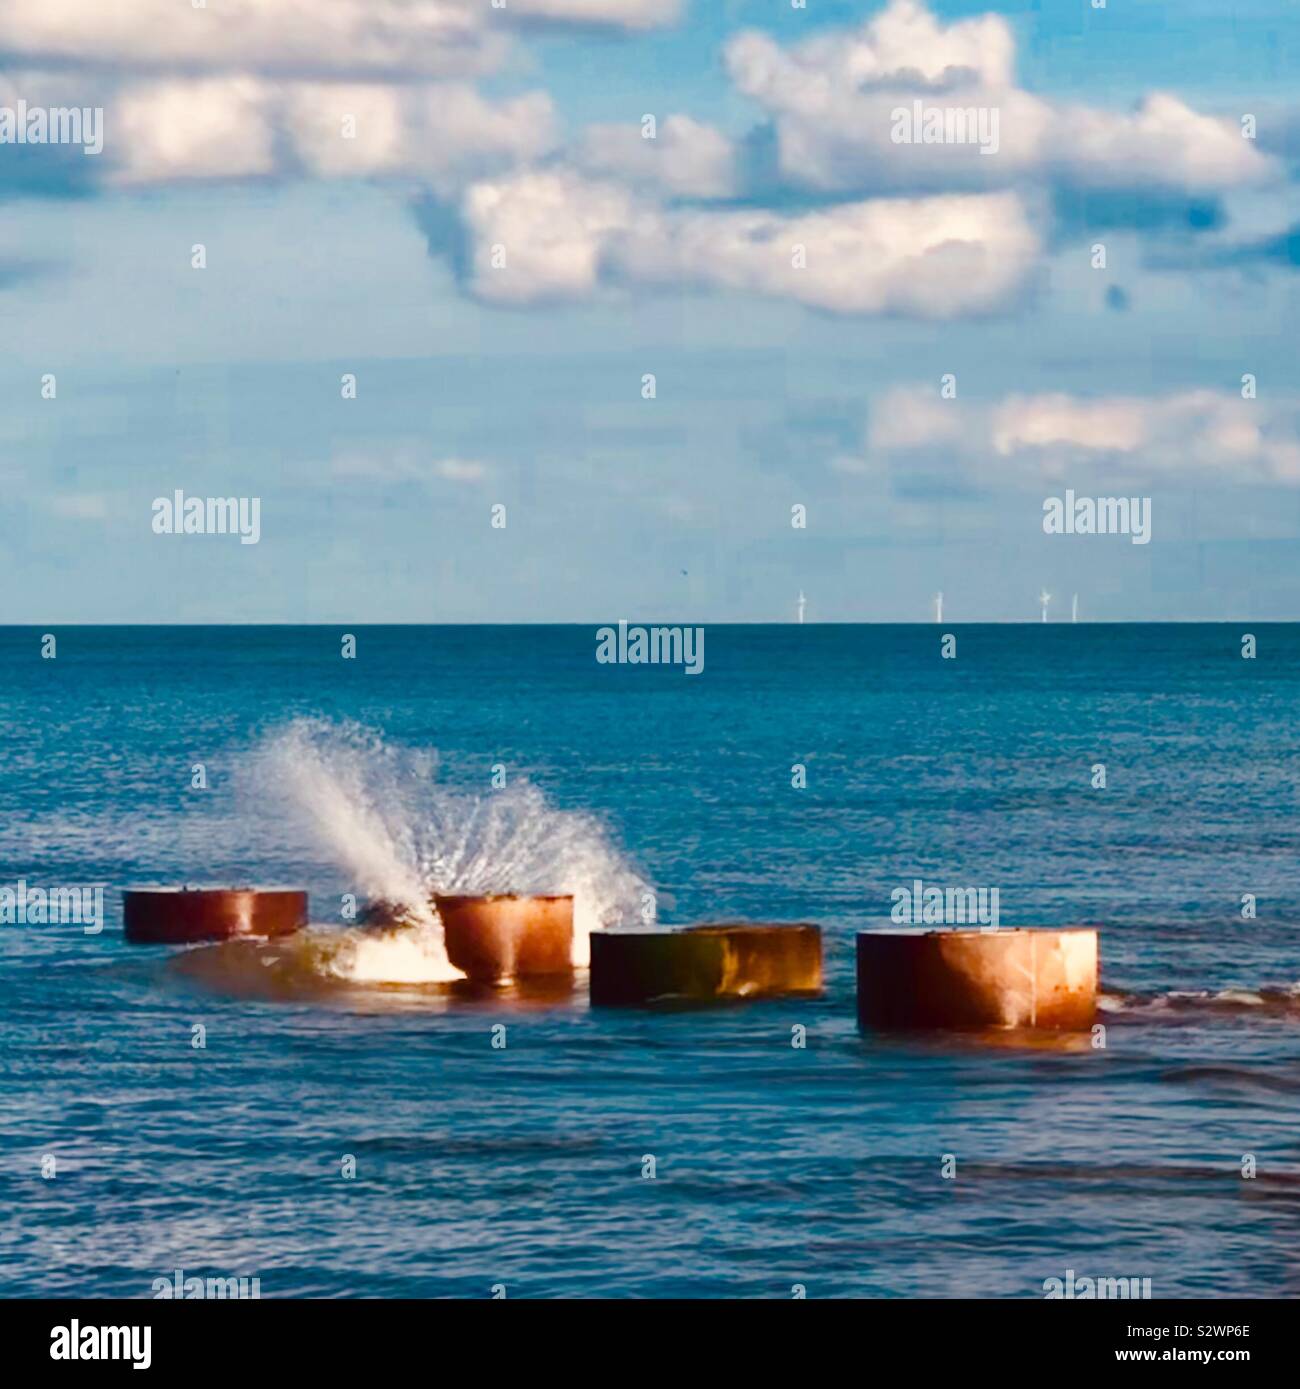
378	812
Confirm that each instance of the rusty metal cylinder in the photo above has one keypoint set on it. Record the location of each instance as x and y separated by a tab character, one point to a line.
1028	977
499	938
728	960
185	916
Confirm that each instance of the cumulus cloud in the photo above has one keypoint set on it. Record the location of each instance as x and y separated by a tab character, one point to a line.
443	133
298	38
216	127
941	257
835	101
543	234
263	88
904	45
1163	143
281	37
233	126
684	158
547	234
1190	432
384	89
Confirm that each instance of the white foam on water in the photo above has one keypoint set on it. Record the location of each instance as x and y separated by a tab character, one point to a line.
404	955
378	812
1272	998
1244	996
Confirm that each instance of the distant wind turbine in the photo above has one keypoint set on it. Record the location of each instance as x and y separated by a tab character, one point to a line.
1044	598
938	606
1074	609
800	606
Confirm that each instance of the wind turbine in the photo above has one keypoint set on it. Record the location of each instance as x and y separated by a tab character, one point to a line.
1044	598
938	606
1074	609
800	606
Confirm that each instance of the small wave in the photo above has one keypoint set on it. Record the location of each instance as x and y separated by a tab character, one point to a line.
1282	1000
1129	1175
1238	1076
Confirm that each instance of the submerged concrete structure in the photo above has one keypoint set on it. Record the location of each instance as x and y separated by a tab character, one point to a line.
185	915
1026	977
496	939
714	961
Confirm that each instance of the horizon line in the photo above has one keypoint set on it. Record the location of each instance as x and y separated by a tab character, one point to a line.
655	622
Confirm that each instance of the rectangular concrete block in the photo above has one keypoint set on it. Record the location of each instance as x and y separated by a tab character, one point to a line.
496	939
714	961
1034	977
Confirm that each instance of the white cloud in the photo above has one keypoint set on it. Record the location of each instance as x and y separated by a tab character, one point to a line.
551	228
562	236
379	125
685	158
405	463
1190	432
623	14
833	100
1062	422
217	127
915	417
1163	144
284	37
460	470
80	506
443	134
298	38
262	88
940	257
253	88
903	46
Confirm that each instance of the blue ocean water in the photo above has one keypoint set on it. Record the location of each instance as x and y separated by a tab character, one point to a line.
774	1166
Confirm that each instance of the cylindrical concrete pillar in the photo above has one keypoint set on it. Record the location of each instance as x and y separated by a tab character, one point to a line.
498	938
730	960
1036	977
183	916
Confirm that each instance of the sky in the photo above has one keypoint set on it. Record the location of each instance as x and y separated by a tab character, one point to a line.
908	346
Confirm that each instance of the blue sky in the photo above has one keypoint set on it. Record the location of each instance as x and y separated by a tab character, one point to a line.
521	386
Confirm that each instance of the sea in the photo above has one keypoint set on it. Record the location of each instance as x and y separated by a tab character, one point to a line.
334	1117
